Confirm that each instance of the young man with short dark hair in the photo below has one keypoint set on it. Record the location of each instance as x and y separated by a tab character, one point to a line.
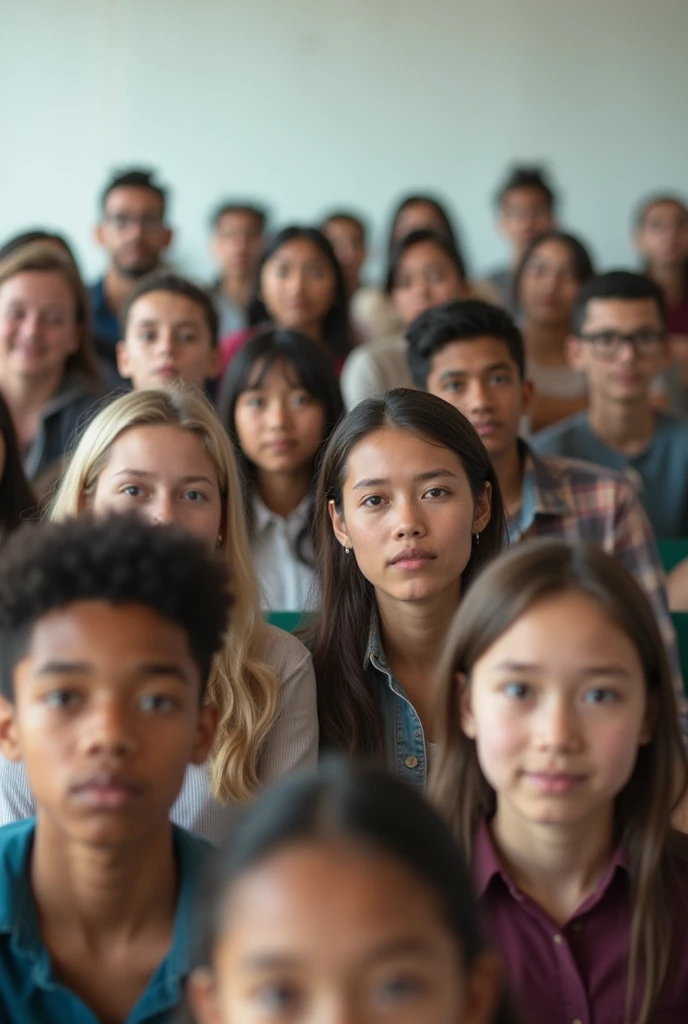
619	342
347	235
526	207
133	232
169	334
107	633
471	354
237	239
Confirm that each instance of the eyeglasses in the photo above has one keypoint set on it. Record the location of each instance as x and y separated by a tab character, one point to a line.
607	344
148	223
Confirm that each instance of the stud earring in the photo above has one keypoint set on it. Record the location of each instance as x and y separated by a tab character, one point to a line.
476	538
220	538
346	549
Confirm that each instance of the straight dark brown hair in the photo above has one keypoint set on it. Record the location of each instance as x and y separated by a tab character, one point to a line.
658	854
350	718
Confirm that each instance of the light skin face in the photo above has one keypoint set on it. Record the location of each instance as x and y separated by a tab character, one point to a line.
297	286
425	278
408	516
236	244
167	341
327	934
38	328
106	716
348	242
132	230
418	217
627	377
280	424
480	379
525	213
662	238
548	285
165	475
558	709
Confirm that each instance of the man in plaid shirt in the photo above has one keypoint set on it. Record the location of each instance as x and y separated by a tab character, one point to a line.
471	354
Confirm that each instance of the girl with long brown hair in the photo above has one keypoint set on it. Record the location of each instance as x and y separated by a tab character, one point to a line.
408	510
560	767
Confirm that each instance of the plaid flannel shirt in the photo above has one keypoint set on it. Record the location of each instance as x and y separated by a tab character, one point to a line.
578	501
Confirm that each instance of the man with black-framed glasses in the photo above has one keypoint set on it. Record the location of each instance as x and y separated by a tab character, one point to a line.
133	232
619	342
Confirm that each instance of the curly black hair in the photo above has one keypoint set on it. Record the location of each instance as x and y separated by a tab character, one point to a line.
122	560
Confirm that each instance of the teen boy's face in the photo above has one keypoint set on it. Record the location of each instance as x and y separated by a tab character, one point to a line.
327	934
480	379
133	230
236	243
348	242
525	214
167	340
626	373
106	717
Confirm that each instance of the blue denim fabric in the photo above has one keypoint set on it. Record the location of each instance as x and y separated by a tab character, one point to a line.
405	748
29	991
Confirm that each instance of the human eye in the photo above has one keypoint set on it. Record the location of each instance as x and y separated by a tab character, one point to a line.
500	378
132	490
399	987
253	401
601	695
282	270
454	386
194	495
61	699
302	398
437	492
147	334
54	317
316	271
188	337
278	997
517	691
372	501
153	703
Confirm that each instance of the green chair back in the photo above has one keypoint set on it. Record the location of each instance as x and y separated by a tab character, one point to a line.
672	552
289	621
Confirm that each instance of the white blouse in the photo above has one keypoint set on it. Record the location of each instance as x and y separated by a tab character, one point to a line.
286	583
291	743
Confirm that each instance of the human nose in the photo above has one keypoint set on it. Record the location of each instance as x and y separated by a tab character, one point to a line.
408	521
478	398
30	326
161	510
165	342
108	730
557	727
276	415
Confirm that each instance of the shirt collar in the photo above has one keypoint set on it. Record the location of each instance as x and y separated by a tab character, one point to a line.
541	493
263	517
488	865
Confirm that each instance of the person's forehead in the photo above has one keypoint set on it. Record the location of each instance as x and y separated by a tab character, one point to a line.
133	198
166	306
471	354
622	313
237	218
521	195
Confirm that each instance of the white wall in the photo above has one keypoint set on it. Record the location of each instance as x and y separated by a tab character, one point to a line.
306	103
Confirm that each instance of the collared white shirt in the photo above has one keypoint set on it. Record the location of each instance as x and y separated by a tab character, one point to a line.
286	583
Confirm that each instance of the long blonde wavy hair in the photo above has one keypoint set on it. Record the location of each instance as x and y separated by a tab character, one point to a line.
244	688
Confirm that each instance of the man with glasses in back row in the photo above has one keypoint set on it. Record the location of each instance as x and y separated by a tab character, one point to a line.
132	230
619	342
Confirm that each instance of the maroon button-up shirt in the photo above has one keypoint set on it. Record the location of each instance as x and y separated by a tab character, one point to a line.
575	974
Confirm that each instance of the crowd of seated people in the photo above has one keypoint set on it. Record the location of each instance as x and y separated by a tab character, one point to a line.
341	677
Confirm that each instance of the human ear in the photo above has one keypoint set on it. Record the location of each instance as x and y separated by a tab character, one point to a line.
9	740
483	509
98	234
167	235
464	704
527	397
484	989
338	525
200	990
123	363
206	727
575	356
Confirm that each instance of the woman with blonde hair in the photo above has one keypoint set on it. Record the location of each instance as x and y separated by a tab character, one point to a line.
48	371
166	456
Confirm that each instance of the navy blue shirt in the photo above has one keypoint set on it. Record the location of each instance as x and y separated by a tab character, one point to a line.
106	332
29	991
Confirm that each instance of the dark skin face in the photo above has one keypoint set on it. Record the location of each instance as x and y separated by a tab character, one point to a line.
106	716
133	230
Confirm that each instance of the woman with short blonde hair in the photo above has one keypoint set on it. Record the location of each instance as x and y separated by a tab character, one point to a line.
262	682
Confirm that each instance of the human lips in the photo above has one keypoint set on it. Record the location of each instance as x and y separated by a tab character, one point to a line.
107	791
412	558
486	428
555	783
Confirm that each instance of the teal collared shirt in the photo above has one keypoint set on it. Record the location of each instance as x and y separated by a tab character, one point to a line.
406	751
29	991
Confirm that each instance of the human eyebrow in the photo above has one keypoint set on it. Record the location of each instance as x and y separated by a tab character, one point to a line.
433	474
370	482
61	668
406	946
609	670
162	669
142	473
197	480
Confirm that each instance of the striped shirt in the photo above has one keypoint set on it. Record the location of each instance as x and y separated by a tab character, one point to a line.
291	743
579	501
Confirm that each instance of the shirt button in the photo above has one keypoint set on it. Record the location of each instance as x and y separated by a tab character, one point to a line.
558	939
411	762
577	1021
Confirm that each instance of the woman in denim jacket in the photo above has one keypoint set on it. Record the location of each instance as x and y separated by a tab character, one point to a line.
408	510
